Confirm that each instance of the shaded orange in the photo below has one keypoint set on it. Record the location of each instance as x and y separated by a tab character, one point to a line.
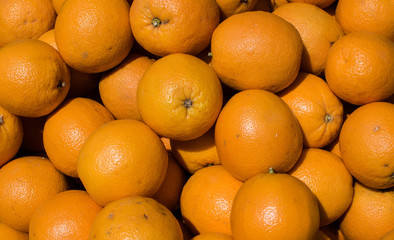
11	135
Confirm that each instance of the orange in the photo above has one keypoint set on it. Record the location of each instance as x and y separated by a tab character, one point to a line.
366	144
319	3
317	109
9	233
274	206
32	134
326	175
93	35
163	27
187	235
57	4
80	83
370	216
66	216
166	142
256	49
170	190
122	158
25	183
321	236
179	97
212	236
388	236
11	135
21	19
207	198
274	4
333	231
255	131
196	153
231	7
67	128
118	87
34	78
372	16
136	218
360	68
318	32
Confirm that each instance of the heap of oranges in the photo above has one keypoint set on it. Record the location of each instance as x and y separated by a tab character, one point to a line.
203	120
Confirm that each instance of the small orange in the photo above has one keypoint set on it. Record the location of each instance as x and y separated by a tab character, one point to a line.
9	233
80	83
118	87
67	128
370	215
170	190
207	198
163	27
33	134
318	31
137	218
11	135
122	158
65	216
20	19
196	153
93	35
179	97
256	49
231	7
255	131
326	175
212	236
317	109
366	144
34	78
25	183
274	206
360	68
372	16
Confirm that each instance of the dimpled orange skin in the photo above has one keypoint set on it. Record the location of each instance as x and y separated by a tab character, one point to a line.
122	158
11	135
179	97
255	131
256	49
274	206
93	35
66	216
35	79
163	27
25	183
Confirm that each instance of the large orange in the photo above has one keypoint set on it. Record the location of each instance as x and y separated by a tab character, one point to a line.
7	232
372	16
196	153
34	79
163	27
20	19
170	190
179	97
118	87
326	175
317	109
122	158
137	218
360	67
366	144
318	32
67	128
207	198
93	35
81	83
255	131
370	215
11	135
65	216
25	183
274	206
256	49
